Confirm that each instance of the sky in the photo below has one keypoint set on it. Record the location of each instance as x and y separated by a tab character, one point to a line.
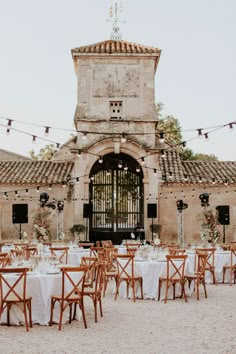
195	78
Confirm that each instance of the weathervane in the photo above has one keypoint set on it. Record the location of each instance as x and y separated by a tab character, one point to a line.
115	9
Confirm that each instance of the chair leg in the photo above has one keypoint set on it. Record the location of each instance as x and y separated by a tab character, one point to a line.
204	285
100	305
51	312
83	313
75	307
30	313
25	315
224	270
95	310
159	290
61	315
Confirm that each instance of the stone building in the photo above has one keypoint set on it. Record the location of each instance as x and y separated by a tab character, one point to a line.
118	170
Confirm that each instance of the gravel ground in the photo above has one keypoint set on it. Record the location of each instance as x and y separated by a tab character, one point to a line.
147	326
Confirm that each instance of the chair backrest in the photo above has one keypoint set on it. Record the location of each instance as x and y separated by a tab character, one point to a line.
20	246
12	290
106	243
73	280
90	263
4	259
201	263
125	265
110	253
176	267
233	255
131	250
95	250
31	251
61	253
176	250
210	256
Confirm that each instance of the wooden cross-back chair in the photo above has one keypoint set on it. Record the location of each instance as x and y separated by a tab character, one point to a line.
174	275
210	266
31	251
73	279
111	270
232	266
125	267
95	293
4	259
90	263
13	293
61	253
199	275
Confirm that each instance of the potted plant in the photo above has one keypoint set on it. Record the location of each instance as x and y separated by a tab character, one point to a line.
76	230
155	230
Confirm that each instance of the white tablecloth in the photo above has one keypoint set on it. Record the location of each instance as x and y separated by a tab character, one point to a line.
151	271
221	258
40	287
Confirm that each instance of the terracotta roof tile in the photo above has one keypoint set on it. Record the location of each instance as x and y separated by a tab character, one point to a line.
117	47
34	172
175	170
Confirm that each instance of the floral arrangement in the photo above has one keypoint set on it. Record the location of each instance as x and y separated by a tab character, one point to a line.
41	224
209	231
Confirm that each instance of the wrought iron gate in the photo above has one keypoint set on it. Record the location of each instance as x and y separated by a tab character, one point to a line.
116	195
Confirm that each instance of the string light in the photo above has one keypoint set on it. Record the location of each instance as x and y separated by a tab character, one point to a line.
9	122
125	167
155	170
49	187
119	164
142	160
206	136
138	169
231	128
37	189
26	191
33	139
161	137
162	153
199	132
84	136
63	184
100	160
46	133
8	131
123	138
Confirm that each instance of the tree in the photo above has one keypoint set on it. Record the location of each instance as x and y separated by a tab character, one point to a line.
45	154
173	133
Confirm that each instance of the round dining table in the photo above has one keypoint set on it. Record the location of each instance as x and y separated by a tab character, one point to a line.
151	271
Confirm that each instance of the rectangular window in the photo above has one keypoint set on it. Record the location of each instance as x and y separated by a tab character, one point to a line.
116	110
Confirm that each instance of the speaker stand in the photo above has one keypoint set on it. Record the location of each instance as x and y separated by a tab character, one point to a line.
20	233
152	229
223	233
